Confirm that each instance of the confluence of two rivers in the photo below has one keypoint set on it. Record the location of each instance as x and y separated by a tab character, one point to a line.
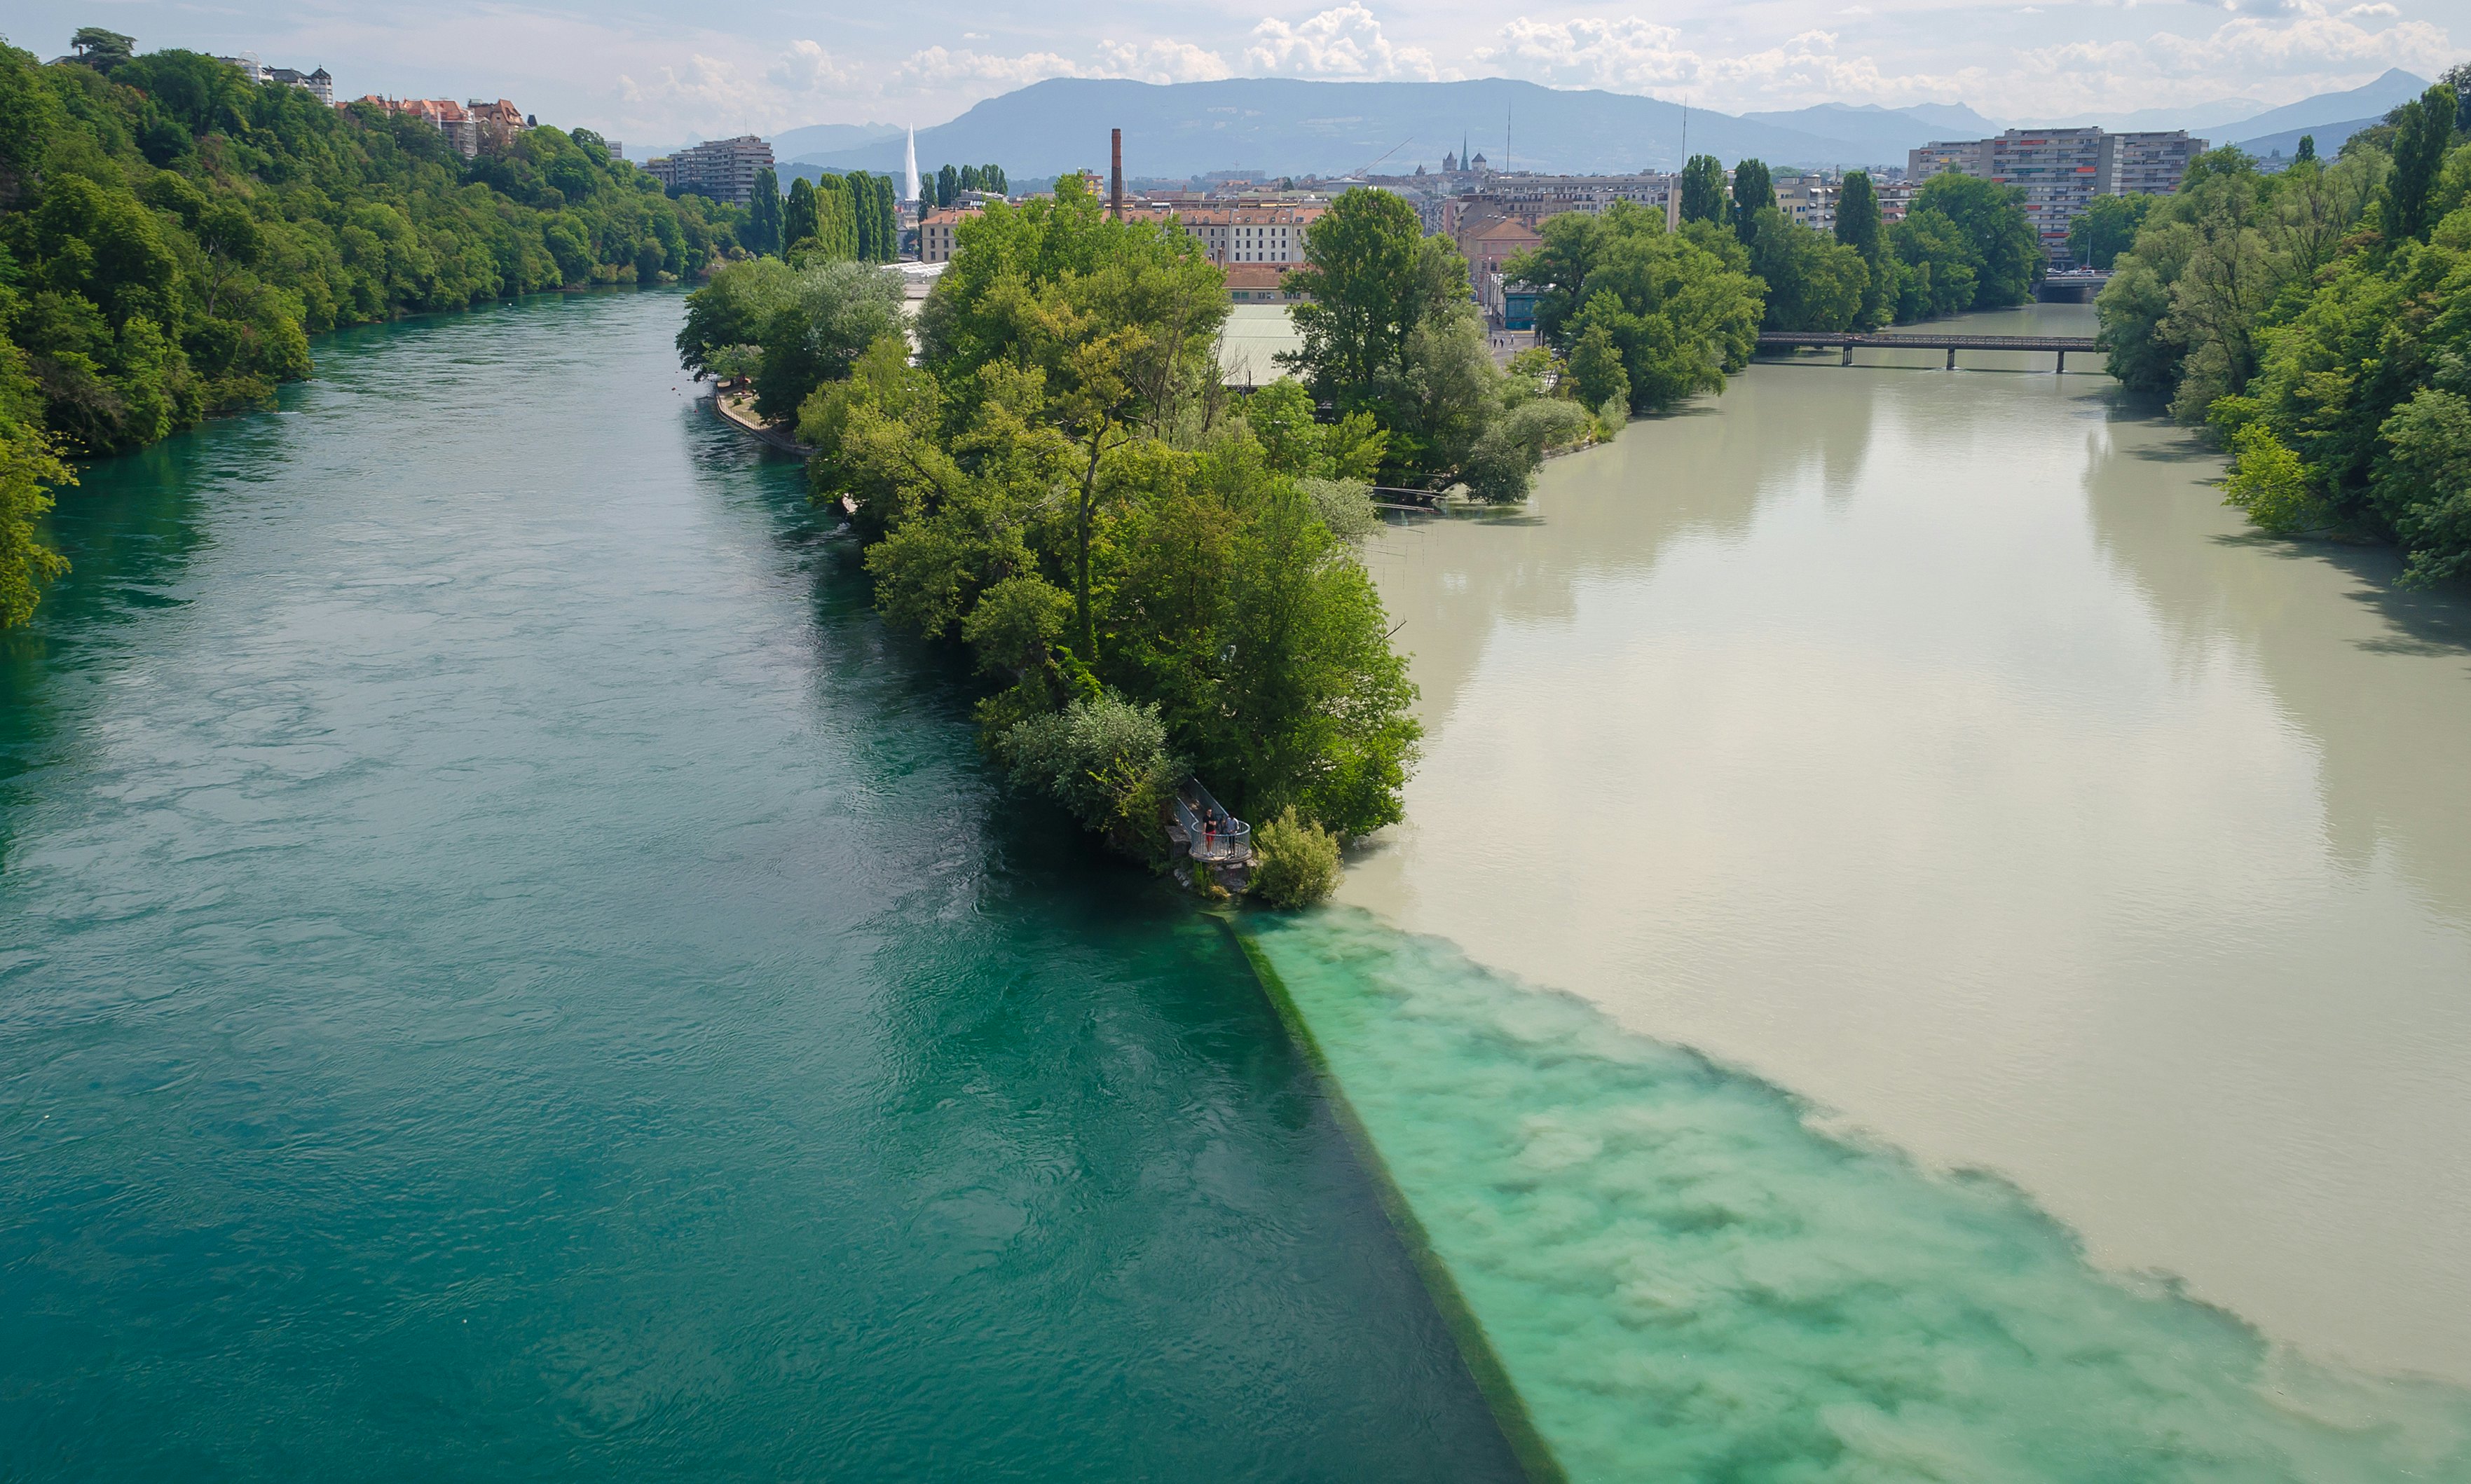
510	970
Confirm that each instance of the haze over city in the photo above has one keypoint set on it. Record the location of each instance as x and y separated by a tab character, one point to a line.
664	75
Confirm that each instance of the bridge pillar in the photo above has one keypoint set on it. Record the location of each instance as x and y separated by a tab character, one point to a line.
1849	353
2063	364
1951	358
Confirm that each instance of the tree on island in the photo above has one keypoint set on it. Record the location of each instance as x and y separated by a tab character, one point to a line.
1389	332
1677	310
1059	481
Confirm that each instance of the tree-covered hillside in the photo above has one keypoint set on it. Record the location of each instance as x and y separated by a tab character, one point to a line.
171	234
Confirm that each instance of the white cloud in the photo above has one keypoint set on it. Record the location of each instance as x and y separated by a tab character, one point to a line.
1162	61
938	68
1344	43
1634	55
2310	50
808	68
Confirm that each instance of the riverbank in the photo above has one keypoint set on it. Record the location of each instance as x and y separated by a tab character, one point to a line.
737	407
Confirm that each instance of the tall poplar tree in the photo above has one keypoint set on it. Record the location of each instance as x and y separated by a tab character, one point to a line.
947	186
1702	189
1752	191
1858	228
798	219
2423	129
763	232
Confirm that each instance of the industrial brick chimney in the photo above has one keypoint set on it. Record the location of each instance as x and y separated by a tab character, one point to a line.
1115	176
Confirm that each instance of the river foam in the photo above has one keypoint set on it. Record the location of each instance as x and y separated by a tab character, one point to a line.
1688	1274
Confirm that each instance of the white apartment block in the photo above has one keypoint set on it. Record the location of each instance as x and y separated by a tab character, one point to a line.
2062	170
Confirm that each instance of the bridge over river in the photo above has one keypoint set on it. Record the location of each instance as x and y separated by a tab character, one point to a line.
2057	344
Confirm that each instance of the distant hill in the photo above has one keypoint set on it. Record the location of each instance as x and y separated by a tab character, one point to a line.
2395	87
2329	138
1293	127
1285	126
1888	133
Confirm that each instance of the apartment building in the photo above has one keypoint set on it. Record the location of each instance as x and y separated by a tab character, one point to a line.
2149	164
2062	170
1966	157
722	169
1809	200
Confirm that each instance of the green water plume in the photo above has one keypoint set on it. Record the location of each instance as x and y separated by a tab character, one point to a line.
1685	1278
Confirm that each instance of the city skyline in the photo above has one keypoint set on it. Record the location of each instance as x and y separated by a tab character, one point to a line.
644	75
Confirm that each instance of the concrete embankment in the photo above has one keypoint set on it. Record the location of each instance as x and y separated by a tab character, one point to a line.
739	407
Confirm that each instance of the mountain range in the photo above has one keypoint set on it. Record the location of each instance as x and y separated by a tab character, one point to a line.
1291	126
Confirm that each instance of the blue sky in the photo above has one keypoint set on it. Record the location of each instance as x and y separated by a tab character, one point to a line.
657	74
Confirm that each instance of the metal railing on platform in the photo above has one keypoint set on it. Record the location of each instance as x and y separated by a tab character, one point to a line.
1210	833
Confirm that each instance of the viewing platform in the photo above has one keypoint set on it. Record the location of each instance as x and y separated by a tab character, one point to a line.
1202	827
2057	344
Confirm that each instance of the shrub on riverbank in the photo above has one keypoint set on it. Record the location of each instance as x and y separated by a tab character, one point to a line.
1294	863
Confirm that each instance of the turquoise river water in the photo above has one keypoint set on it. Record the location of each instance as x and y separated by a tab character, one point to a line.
509	971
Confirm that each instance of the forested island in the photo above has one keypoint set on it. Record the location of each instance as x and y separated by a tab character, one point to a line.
1156	574
2318	321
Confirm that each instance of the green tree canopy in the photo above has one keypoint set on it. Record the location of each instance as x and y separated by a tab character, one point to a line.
1753	192
1679	309
2107	228
1859	226
1702	189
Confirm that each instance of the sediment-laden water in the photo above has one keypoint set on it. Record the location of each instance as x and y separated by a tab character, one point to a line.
507	972
1936	748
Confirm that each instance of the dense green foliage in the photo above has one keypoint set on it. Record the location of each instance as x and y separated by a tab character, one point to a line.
1963	245
1813	281
945	186
1673	314
1296	863
2319	319
1753	192
1063	484
1391	335
1104	759
788	330
171	234
1703	190
2108	226
761	231
1859	226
